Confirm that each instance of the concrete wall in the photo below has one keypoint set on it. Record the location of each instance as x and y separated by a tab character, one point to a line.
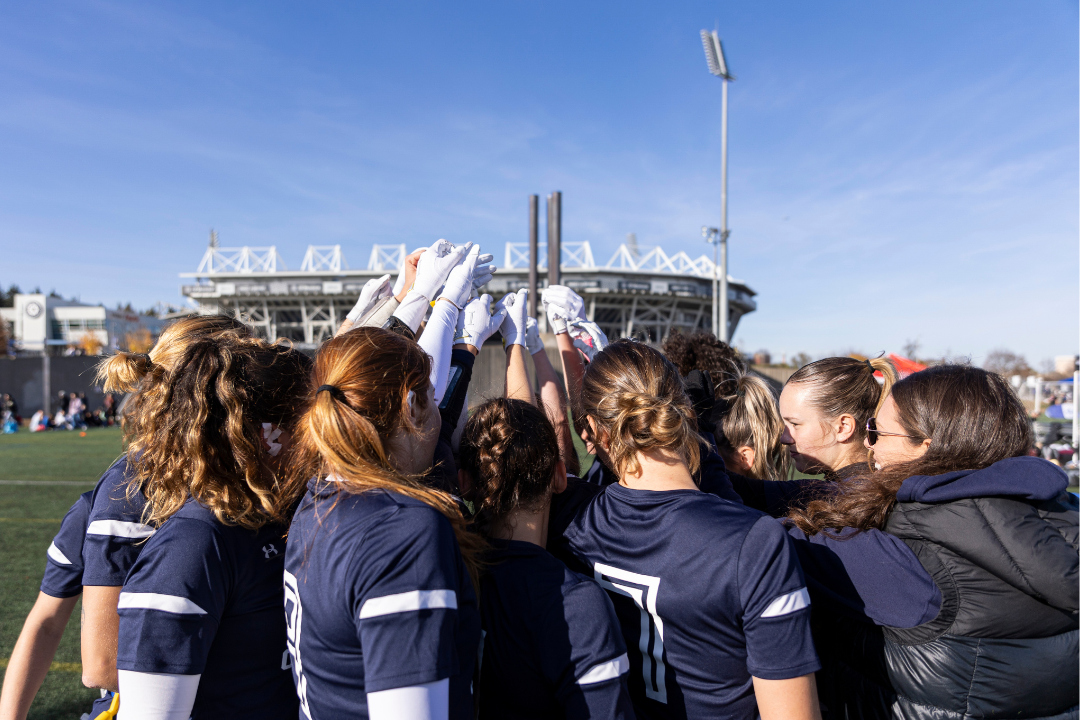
22	378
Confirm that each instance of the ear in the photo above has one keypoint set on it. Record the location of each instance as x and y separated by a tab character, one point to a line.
601	439
844	426
464	481
748	455
414	410
558	482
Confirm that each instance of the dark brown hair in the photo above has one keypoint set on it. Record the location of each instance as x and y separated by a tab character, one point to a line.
972	419
510	450
702	351
345	432
196	428
846	386
634	394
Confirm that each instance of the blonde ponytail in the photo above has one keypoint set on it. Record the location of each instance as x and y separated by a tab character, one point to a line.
889	377
753	420
123	372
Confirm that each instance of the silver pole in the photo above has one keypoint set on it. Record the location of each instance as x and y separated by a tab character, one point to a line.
1076	417
715	290
46	385
723	319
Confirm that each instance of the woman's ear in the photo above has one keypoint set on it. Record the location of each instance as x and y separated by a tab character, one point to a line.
558	483
748	455
601	439
844	427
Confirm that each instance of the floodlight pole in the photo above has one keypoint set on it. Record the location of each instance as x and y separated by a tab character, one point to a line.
722	335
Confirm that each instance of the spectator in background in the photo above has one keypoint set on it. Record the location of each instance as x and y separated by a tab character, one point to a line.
62	400
75	413
39	421
109	406
11	406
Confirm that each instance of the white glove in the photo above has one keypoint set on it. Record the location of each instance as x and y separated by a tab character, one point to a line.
532	337
374	290
476	323
562	305
399	283
483	272
435	265
515	326
459	286
588	337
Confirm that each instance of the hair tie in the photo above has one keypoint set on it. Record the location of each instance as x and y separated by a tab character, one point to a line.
144	355
870	365
334	391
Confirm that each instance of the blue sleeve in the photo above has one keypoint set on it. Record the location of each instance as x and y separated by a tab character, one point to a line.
868	574
782	495
173	600
713	478
115	534
589	671
775	605
63	564
405	599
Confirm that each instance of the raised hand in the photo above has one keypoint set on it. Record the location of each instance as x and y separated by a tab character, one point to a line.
476	323
374	290
588	337
532	337
459	283
435	265
562	305
515	326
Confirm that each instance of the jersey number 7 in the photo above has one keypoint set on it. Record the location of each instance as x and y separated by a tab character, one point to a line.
642	589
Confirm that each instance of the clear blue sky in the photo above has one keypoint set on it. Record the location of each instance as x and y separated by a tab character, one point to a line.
897	170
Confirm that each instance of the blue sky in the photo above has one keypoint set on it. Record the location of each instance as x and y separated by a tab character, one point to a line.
897	171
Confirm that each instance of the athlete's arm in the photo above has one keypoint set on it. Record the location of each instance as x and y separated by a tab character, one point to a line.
157	696
792	699
100	627
517	376
551	395
33	653
430	701
438	341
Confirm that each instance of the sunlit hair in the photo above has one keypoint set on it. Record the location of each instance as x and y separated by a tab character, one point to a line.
846	386
972	418
347	435
196	430
124	371
510	450
635	396
753	420
703	351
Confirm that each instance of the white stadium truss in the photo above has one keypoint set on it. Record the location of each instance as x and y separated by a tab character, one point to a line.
642	293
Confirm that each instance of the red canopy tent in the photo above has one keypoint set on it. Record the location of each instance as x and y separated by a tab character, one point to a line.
904	366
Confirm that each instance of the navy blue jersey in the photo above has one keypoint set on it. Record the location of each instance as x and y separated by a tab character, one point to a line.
708	593
115	534
551	645
205	598
377	597
64	564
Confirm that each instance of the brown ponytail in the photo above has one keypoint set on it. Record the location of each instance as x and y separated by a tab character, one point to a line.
365	376
635	396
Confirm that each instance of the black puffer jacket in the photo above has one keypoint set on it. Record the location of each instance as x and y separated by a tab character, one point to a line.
1001	544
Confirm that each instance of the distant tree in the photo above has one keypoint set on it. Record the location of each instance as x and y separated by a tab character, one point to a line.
800	359
5	338
911	349
1007	363
7	297
138	341
89	344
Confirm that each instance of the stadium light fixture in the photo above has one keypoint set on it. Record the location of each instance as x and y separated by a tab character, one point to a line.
714	56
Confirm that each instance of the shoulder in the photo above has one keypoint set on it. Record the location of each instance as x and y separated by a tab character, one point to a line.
110	496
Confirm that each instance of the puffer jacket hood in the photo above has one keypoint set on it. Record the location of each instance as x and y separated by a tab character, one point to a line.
1019	478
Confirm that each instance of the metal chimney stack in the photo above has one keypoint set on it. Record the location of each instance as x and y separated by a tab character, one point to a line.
534	253
554	229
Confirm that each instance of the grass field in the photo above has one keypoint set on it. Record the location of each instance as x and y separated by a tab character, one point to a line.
41	475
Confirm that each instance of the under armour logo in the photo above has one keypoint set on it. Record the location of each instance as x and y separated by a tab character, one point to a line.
269	550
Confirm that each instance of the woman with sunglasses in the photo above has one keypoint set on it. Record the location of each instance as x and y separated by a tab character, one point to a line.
993	529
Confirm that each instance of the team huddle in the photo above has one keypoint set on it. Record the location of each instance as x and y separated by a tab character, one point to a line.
288	537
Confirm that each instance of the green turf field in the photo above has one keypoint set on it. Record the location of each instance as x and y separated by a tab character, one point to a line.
41	475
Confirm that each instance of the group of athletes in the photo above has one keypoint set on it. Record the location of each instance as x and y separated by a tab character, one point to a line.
288	537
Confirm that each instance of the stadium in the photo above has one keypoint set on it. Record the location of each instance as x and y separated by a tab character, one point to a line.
643	293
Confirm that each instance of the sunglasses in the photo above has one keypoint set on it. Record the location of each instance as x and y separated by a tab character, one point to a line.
872	432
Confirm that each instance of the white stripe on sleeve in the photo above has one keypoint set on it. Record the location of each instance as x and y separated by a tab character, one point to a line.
787	604
119	528
430	701
56	555
408	602
605	671
156	601
156	696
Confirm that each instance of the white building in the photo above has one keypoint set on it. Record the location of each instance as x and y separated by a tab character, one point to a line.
39	322
645	294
